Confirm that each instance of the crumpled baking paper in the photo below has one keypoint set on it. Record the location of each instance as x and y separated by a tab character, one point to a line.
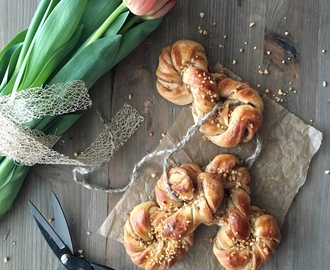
288	145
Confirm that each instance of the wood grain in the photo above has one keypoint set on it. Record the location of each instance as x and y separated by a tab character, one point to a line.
306	237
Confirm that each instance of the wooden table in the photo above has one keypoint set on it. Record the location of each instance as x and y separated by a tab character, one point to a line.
227	34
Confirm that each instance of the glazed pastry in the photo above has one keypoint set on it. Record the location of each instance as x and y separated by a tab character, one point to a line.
255	250
183	78
173	62
230	168
144	242
200	195
237	199
182	181
247	236
201	209
239	116
158	234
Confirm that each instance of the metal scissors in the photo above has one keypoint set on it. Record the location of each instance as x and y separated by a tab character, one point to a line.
59	239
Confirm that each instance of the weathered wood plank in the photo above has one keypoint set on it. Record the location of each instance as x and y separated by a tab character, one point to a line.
305	231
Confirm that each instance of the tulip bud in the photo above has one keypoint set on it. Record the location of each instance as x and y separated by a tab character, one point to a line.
149	9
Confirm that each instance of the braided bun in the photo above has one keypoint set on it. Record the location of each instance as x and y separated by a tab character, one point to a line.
200	210
145	244
255	250
200	195
183	78
182	181
158	234
247	236
173	62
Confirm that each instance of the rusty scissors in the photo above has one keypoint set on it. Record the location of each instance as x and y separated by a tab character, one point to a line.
59	239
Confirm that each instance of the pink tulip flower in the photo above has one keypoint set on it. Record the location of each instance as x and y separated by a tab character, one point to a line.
150	9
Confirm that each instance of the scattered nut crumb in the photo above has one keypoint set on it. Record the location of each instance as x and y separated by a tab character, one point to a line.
261	71
202	14
225	36
252	24
281	93
151	134
50	220
5	259
283	62
153	175
266	71
323	51
205	32
14	243
324	83
234	62
221	46
76	154
255	47
327	172
267	91
311	120
129	96
241	50
89	233
163	135
286	33
268	52
278	99
290	88
284	18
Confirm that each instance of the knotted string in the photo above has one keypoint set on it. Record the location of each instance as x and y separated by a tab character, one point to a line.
166	153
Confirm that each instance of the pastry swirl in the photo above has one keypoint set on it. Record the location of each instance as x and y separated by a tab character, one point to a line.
183	78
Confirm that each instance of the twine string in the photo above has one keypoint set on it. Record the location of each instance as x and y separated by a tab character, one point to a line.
166	153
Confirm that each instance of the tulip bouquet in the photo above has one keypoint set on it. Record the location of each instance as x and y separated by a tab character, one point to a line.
68	40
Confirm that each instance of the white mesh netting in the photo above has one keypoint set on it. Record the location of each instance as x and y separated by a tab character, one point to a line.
115	134
31	147
35	103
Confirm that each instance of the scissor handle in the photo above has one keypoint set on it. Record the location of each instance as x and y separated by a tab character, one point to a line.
100	267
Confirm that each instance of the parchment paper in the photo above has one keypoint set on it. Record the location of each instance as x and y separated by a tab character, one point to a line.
281	169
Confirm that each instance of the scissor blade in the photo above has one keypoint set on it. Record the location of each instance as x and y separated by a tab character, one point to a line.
53	240
60	223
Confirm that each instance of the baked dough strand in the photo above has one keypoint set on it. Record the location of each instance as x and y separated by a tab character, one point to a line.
183	78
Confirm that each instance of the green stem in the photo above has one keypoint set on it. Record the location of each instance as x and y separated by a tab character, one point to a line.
129	24
100	31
